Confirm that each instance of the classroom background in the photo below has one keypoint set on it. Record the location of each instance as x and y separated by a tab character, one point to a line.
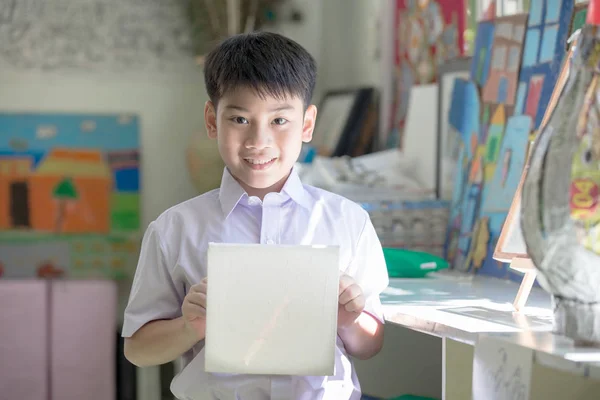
427	113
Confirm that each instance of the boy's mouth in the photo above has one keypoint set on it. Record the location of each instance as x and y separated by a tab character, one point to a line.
260	164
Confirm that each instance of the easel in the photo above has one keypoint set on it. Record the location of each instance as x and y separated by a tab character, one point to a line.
511	246
511	249
525	266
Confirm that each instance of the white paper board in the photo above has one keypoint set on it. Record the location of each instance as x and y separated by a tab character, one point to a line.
271	309
501	370
421	132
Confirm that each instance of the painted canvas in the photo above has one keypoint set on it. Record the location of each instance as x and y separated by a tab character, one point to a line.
543	54
494	147
69	195
427	33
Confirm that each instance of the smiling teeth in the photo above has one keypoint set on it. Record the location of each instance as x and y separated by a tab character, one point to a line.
259	162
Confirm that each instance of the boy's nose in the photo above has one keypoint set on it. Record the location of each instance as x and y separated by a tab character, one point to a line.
259	138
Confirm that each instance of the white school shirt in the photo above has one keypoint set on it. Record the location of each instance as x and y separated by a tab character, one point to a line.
173	258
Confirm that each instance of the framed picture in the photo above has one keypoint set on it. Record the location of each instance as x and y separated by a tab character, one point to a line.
448	143
341	117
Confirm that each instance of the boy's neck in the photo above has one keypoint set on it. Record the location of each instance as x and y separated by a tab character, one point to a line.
262	192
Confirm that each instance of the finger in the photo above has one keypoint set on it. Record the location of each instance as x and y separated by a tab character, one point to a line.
351	293
192	311
200	287
345	282
357	305
198	299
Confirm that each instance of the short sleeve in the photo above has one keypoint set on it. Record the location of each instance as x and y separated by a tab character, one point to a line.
369	270
153	294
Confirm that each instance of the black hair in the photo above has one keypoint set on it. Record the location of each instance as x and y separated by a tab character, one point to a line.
268	63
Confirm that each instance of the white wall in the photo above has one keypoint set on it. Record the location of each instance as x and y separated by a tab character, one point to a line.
349	43
170	109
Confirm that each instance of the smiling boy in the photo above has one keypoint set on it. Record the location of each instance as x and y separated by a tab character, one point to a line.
260	87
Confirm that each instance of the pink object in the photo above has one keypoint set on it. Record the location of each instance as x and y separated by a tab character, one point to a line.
593	14
84	318
58	340
23	349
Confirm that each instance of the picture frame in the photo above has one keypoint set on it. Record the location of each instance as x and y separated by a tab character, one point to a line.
341	116
447	73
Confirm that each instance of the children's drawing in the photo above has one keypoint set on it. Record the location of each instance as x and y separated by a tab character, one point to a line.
427	33
501	85
69	195
493	154
544	51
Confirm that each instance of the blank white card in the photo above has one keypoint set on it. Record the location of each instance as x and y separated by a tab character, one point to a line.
271	309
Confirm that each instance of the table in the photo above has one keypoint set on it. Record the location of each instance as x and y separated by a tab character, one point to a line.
457	308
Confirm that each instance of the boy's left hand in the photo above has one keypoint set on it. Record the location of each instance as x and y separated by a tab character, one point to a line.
351	301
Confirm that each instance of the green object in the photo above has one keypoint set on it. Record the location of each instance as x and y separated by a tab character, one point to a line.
411	397
402	263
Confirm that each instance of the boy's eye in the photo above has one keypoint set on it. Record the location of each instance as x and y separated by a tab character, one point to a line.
240	120
279	121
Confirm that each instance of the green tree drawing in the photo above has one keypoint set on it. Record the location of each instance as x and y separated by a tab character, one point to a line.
64	192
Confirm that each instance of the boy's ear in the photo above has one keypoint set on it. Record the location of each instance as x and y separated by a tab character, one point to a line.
210	119
310	117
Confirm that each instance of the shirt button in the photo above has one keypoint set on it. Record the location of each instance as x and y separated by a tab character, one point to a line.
270	241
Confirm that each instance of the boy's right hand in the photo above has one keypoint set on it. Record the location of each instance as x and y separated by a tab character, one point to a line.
194	309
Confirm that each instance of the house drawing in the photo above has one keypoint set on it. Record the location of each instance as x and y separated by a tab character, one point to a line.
68	192
501	85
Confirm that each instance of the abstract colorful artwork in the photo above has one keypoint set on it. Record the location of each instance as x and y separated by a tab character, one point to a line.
545	44
427	33
69	195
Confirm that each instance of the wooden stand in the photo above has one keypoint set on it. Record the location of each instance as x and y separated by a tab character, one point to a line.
524	265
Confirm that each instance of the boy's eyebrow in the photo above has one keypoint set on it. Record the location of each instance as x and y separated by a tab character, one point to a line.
274	109
282	107
234	107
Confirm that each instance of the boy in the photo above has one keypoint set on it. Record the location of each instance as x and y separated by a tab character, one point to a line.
260	87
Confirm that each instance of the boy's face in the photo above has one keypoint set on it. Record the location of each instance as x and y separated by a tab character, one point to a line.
259	139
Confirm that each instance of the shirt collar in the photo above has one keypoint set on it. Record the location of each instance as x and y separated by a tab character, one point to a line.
231	192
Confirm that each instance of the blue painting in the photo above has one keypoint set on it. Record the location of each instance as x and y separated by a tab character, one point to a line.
545	42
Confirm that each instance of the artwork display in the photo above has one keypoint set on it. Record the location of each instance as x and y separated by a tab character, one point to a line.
510	71
69	195
426	35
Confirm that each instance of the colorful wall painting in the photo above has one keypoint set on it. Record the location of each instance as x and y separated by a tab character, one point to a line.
545	43
426	34
69	195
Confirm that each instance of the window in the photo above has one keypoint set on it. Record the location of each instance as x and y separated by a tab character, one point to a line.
499	58
553	11
513	59
532	44
535	12
547	52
